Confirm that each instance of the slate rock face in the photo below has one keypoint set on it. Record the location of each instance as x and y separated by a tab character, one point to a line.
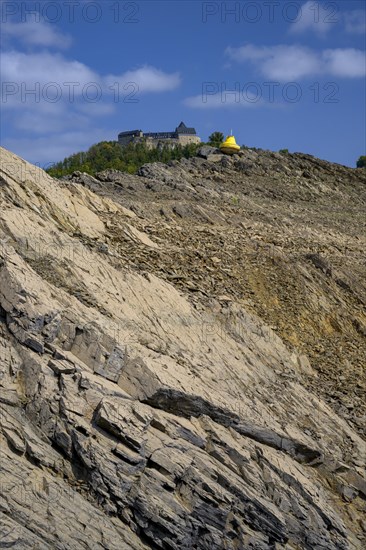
147	399
212	154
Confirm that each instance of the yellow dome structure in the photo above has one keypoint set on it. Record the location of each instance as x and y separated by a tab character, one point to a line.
229	147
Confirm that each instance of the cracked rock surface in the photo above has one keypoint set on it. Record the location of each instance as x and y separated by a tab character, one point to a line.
148	398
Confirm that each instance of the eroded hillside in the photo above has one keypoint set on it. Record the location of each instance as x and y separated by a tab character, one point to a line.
183	355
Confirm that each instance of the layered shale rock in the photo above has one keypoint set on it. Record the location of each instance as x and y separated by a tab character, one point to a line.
145	403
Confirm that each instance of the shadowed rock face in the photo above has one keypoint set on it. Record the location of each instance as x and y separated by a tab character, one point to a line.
182	355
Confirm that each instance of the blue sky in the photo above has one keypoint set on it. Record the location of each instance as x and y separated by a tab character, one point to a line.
280	74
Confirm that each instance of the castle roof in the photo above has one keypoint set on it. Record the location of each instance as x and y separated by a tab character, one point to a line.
183	129
129	133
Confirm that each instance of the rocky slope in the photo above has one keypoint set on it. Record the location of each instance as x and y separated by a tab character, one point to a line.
182	355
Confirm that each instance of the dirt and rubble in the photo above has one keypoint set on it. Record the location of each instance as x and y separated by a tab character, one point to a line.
282	234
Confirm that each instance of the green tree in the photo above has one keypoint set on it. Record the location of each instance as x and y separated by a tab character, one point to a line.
361	163
215	139
110	155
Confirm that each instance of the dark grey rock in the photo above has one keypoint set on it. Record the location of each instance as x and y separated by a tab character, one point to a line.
207	150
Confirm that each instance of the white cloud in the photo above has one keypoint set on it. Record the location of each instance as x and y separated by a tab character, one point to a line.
322	18
278	62
293	62
36	33
147	79
47	97
44	68
316	17
47	89
31	71
348	63
46	94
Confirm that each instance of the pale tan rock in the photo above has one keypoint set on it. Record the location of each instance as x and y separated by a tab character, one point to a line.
151	418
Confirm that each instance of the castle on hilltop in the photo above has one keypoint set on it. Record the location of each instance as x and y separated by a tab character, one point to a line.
182	135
